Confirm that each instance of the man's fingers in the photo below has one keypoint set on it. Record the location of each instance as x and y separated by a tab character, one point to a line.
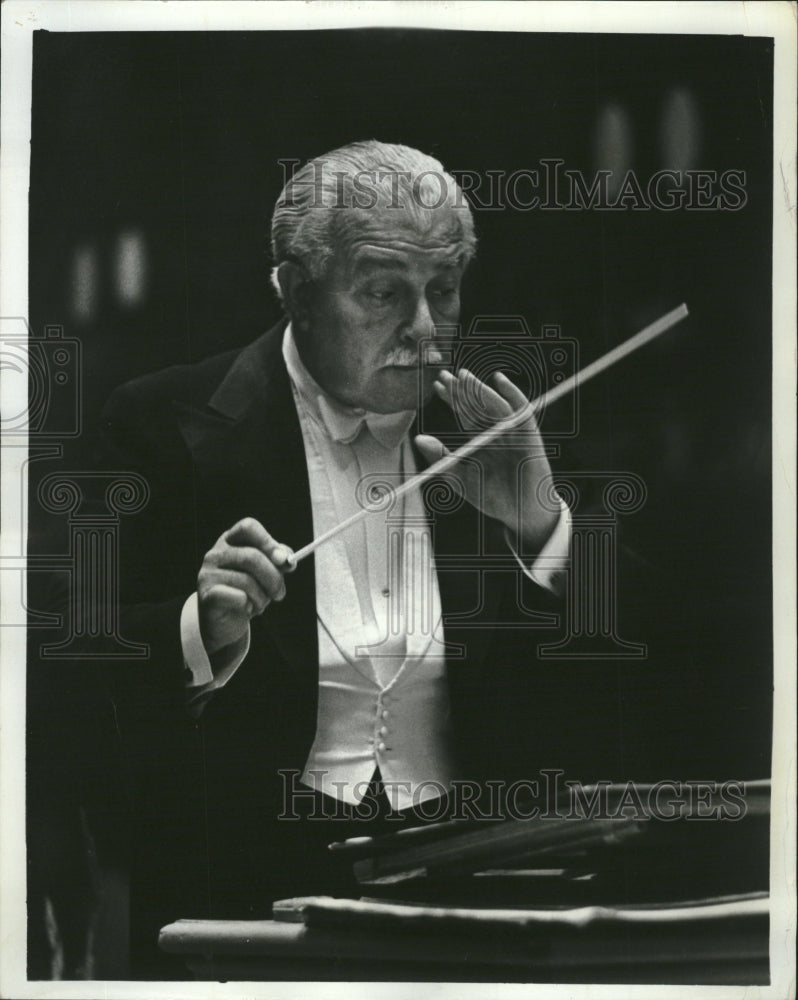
253	562
257	598
509	391
430	447
458	478
475	403
239	577
482	396
250	532
516	399
223	598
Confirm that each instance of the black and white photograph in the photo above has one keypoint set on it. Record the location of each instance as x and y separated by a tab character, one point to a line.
398	454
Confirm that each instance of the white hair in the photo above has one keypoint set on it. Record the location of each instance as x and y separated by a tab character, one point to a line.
324	205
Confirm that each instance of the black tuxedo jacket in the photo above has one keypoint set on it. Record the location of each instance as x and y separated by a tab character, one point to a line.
218	441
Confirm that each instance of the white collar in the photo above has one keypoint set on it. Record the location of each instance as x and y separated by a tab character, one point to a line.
342	423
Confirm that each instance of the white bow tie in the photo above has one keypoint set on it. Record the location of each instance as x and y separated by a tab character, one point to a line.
344	425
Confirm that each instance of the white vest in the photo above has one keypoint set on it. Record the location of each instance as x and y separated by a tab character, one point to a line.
383	699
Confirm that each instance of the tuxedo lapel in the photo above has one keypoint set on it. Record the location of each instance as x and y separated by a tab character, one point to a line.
247	449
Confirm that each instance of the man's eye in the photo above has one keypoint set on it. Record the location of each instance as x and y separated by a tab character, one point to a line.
443	293
381	294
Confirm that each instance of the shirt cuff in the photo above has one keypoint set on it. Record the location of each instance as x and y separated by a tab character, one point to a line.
200	675
548	568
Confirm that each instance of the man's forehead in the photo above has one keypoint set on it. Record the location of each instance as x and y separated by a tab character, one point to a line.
393	238
403	254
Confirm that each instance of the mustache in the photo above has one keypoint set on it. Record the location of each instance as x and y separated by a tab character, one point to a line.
405	358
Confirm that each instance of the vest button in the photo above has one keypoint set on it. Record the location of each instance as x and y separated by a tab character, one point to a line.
385	713
383	731
380	746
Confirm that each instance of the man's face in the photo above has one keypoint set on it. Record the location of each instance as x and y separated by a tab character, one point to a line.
367	316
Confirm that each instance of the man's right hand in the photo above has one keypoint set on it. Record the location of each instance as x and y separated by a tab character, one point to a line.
239	577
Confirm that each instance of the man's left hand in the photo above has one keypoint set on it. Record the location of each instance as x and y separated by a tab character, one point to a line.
502	478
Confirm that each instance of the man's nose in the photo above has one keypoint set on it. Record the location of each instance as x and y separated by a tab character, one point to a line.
420	325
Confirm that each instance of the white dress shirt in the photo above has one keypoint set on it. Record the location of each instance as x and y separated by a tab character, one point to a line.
383	699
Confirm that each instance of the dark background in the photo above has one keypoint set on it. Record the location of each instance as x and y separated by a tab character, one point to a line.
175	138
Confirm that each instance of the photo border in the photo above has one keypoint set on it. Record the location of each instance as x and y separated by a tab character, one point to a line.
777	20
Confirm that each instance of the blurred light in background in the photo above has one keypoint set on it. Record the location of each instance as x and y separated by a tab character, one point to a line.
131	268
680	130
614	145
84	282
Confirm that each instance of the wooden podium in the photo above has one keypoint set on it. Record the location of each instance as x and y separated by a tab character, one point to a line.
597	901
723	941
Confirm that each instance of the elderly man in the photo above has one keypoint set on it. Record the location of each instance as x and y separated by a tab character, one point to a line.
376	670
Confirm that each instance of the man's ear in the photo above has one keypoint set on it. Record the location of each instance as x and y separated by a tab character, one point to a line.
295	286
